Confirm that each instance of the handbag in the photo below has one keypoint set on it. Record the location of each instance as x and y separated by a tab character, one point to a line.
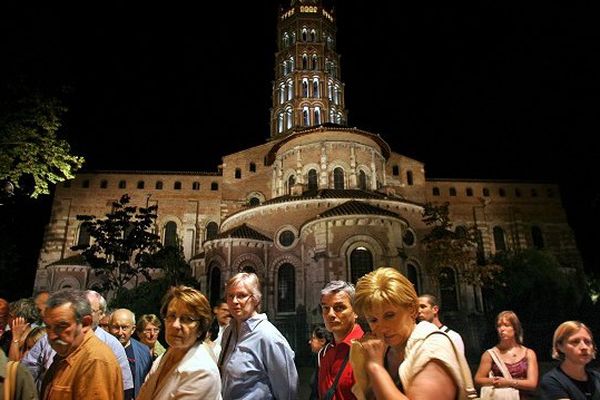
489	392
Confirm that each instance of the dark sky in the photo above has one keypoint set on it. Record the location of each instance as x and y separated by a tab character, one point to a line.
489	90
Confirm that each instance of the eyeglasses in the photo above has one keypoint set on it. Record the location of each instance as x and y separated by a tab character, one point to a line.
183	319
240	296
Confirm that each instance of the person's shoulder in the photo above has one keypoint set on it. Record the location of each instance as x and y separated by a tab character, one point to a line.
198	358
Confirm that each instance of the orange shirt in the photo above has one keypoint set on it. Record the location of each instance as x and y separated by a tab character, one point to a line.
90	372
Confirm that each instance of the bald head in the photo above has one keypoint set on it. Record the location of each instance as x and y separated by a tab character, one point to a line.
122	325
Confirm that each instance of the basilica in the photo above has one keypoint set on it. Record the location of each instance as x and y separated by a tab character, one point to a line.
317	201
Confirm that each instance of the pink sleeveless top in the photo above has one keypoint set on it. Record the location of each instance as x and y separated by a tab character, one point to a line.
518	370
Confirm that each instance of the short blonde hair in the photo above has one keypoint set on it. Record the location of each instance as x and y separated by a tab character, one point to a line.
564	332
385	285
195	300
250	281
512	318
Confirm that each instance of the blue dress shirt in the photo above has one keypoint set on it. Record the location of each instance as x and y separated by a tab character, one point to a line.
257	362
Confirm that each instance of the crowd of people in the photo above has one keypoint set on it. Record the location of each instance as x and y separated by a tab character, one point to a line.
67	345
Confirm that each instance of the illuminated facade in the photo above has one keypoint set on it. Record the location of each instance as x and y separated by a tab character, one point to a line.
318	201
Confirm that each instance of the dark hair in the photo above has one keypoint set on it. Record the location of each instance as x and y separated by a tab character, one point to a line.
78	300
213	330
321	333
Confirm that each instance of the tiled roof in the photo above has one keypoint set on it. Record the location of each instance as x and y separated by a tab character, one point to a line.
243	232
77	259
329	194
354	207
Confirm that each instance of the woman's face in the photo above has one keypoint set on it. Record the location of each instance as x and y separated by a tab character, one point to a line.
181	325
505	329
392	323
578	348
149	335
242	304
316	344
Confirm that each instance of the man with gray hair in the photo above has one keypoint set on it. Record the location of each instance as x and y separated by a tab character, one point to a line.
84	367
122	326
40	357
335	378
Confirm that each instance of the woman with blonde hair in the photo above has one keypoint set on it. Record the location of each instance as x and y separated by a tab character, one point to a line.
188	369
401	359
572	344
509	355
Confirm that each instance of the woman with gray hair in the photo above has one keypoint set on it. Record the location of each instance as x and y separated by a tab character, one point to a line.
573	344
256	360
188	370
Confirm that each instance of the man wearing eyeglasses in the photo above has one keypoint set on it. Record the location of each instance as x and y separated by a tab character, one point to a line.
122	325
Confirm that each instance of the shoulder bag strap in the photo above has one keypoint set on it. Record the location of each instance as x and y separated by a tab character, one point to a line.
224	351
331	392
500	363
10	382
465	371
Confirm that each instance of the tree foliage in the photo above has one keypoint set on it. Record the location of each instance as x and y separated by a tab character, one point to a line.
122	244
32	156
449	248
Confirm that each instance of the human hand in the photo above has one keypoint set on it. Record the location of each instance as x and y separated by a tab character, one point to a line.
374	348
18	327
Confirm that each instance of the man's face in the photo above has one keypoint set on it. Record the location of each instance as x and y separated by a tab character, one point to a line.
338	314
65	334
121	326
222	314
40	302
97	313
427	312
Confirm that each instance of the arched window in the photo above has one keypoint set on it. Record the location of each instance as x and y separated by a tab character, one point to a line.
499	239
317	116
252	167
460	231
395	170
314	62
469	192
361	262
312	180
214	186
286	288
196	186
304	87
452	191
170	234
448	293
362	180
313	35
413	276
290	183
103	184
84	235
159	185
248	268
214	283
435	191
305	117
254	201
409	178
304	61
140	184
338	178
315	88
486	192
238	173
177	185
212	229
122	184
303	34
537	237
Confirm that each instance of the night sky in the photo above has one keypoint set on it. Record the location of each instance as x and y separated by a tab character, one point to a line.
490	91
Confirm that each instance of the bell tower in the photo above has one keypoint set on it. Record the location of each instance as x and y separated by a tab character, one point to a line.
307	90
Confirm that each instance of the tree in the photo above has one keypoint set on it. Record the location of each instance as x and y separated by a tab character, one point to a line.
122	243
32	156
448	248
172	261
